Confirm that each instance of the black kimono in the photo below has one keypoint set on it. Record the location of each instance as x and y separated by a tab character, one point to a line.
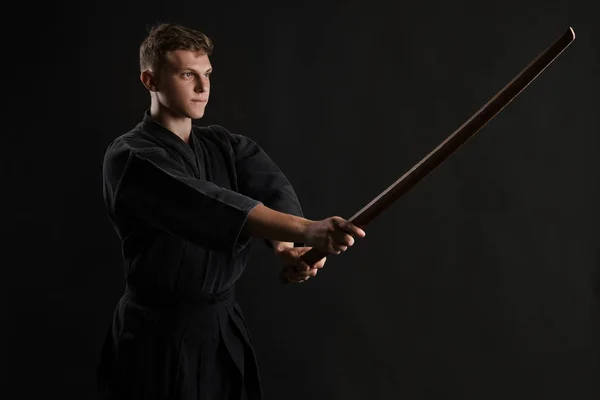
178	208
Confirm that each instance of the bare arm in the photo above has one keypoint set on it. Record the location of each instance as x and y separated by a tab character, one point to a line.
266	223
331	235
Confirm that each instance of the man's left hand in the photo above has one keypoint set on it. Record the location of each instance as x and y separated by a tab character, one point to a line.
294	269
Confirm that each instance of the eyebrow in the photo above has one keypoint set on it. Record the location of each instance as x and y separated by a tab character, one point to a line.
193	70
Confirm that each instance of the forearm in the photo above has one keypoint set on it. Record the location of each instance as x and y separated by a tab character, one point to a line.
280	228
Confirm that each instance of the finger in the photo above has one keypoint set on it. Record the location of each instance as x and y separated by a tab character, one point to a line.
293	278
297	264
318	265
343	239
300	265
306	274
348	240
298	278
341	248
321	261
299	275
353	229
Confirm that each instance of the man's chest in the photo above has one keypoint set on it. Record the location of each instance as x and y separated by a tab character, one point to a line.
207	161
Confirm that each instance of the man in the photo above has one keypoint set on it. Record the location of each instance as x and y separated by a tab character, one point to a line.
186	201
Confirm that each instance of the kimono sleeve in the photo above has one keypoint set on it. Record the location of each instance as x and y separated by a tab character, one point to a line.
147	187
260	178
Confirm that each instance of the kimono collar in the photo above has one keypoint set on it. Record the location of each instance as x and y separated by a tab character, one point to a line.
169	138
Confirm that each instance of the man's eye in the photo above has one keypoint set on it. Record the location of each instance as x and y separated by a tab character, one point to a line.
187	75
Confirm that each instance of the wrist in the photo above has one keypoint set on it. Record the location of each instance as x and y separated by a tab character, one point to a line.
304	230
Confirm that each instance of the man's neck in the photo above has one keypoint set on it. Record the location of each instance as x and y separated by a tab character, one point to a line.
180	126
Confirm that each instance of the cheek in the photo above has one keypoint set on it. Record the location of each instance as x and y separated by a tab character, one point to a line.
183	92
174	89
184	87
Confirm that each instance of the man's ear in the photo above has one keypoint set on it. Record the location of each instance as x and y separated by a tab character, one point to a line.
149	80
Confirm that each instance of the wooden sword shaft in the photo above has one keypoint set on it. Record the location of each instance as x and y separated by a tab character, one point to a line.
455	140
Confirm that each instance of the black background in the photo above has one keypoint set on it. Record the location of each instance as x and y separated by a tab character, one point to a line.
480	283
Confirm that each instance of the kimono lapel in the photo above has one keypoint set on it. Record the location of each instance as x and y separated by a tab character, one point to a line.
171	140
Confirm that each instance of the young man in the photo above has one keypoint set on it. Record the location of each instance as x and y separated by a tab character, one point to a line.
186	201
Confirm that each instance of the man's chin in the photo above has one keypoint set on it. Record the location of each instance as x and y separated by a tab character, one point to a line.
196	115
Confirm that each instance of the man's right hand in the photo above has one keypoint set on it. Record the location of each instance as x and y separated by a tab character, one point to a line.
332	235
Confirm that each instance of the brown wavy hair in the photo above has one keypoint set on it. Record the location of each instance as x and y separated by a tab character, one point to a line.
164	37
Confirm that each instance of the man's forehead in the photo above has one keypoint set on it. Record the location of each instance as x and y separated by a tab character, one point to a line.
188	59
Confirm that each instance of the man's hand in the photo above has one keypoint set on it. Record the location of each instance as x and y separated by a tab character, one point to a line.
293	268
332	235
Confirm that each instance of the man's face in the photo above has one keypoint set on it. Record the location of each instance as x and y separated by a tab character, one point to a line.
184	83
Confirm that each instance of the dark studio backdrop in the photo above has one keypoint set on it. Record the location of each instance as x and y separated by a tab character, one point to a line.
480	283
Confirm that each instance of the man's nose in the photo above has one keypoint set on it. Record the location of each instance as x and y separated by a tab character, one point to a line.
201	86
